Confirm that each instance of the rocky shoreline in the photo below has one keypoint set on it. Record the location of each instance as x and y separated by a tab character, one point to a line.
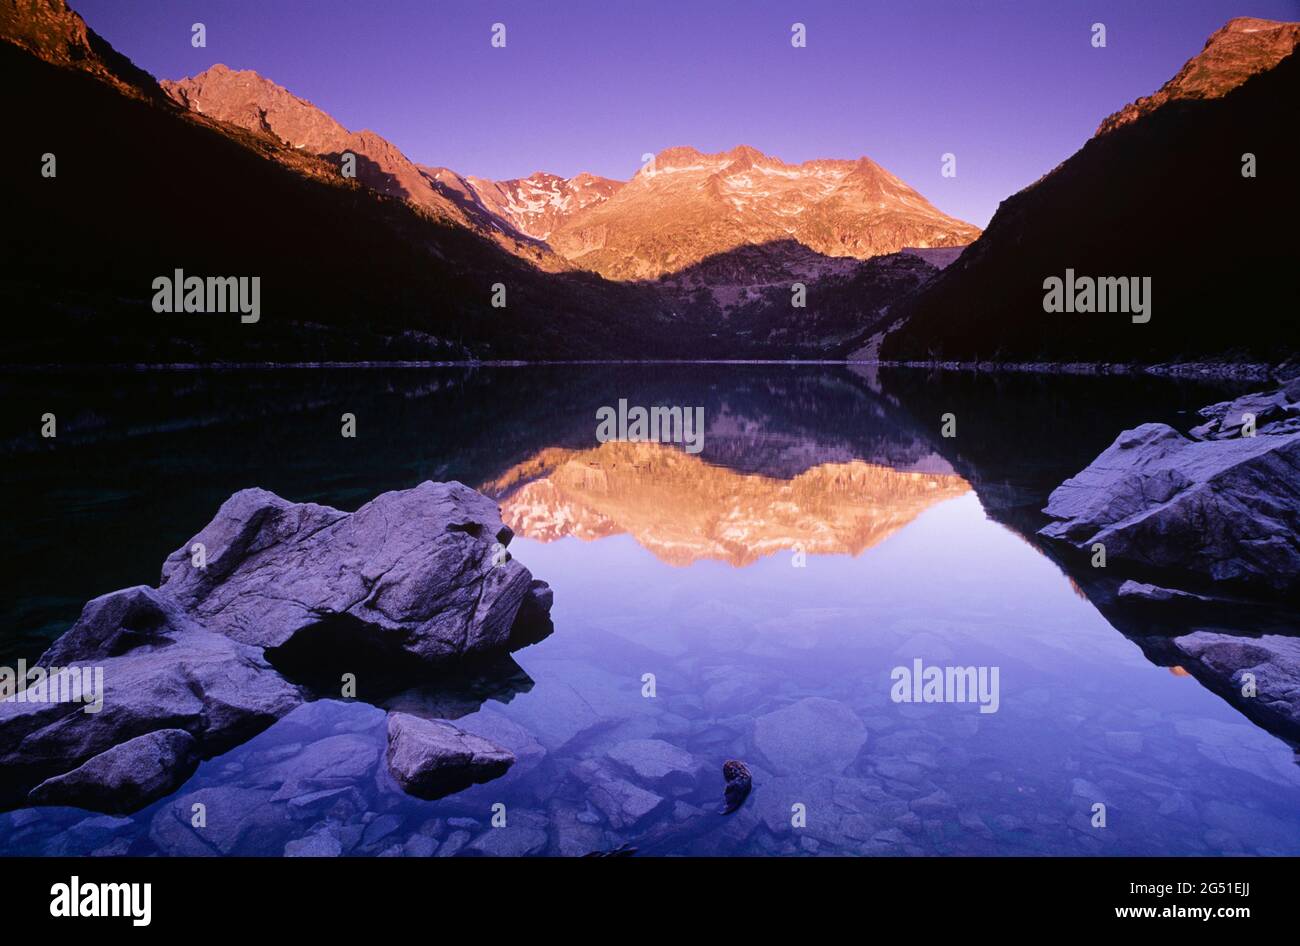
1203	531
256	610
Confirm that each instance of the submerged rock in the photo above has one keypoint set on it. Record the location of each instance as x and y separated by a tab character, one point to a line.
655	762
334	762
812	735
622	803
321	844
1134	591
523	835
623	850
228	819
418	579
432	758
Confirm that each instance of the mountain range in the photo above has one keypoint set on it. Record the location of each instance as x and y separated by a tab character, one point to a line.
697	255
680	209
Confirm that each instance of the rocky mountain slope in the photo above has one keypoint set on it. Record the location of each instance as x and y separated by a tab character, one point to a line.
257	104
1159	193
541	203
346	273
520	214
846	299
1244	47
50	31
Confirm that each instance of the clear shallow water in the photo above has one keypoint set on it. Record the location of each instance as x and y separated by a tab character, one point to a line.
683	568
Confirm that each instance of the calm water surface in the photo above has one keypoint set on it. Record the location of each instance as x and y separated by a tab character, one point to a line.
768	586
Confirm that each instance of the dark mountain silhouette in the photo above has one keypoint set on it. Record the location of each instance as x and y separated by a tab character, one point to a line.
1160	194
144	187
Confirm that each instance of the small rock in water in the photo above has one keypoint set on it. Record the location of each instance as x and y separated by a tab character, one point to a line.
432	758
739	783
126	776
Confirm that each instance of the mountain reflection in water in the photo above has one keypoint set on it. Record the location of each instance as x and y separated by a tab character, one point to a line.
683	509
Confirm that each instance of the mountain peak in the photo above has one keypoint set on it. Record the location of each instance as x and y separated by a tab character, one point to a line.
684	156
680	156
1249	24
248	99
1243	47
745	153
540	203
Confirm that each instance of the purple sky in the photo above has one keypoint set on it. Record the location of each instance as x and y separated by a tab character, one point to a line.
1011	88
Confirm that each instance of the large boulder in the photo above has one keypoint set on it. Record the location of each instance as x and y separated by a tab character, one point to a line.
431	758
1211	510
160	671
422	571
189	670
